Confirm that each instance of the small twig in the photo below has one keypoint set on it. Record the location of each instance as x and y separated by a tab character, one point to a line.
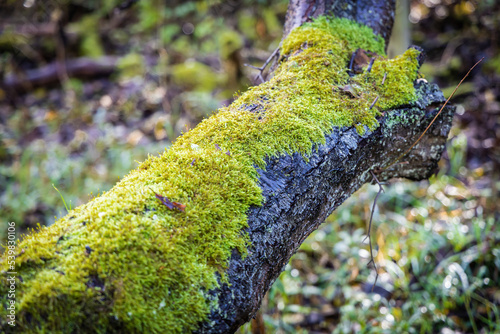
252	66
351	63
64	202
383	79
61	39
370	65
263	67
368	236
379	170
373	103
435	117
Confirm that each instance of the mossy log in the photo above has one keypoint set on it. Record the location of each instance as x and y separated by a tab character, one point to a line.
300	195
191	240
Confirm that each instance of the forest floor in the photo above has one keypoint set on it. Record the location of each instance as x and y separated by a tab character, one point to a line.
148	77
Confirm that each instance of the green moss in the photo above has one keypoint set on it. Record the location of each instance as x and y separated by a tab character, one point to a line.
133	260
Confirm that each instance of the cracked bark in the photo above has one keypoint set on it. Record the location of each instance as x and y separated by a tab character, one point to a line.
378	15
300	194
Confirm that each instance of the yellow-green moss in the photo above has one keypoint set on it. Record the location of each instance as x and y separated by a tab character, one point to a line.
125	257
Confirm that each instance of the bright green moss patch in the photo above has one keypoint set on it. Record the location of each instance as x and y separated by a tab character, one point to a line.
336	31
124	257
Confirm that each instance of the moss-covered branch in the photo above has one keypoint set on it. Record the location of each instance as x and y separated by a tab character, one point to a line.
250	183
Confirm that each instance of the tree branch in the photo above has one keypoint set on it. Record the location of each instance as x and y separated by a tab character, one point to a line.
125	231
48	75
300	195
378	15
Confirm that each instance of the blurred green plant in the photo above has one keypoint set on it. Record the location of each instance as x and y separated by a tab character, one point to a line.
438	241
28	196
192	42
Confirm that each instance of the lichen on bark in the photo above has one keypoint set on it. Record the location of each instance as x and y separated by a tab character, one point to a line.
124	260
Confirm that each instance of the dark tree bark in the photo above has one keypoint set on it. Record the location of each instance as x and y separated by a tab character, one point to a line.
300	195
378	15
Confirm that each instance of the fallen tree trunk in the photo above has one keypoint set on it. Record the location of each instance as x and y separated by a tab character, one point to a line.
193	239
300	195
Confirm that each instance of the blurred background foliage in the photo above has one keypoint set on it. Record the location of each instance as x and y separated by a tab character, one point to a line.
150	69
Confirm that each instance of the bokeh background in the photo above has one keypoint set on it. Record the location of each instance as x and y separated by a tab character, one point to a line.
139	73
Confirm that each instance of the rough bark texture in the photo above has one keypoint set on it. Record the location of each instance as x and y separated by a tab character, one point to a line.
300	194
378	15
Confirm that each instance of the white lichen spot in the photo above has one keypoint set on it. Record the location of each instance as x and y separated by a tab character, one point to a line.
162	304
